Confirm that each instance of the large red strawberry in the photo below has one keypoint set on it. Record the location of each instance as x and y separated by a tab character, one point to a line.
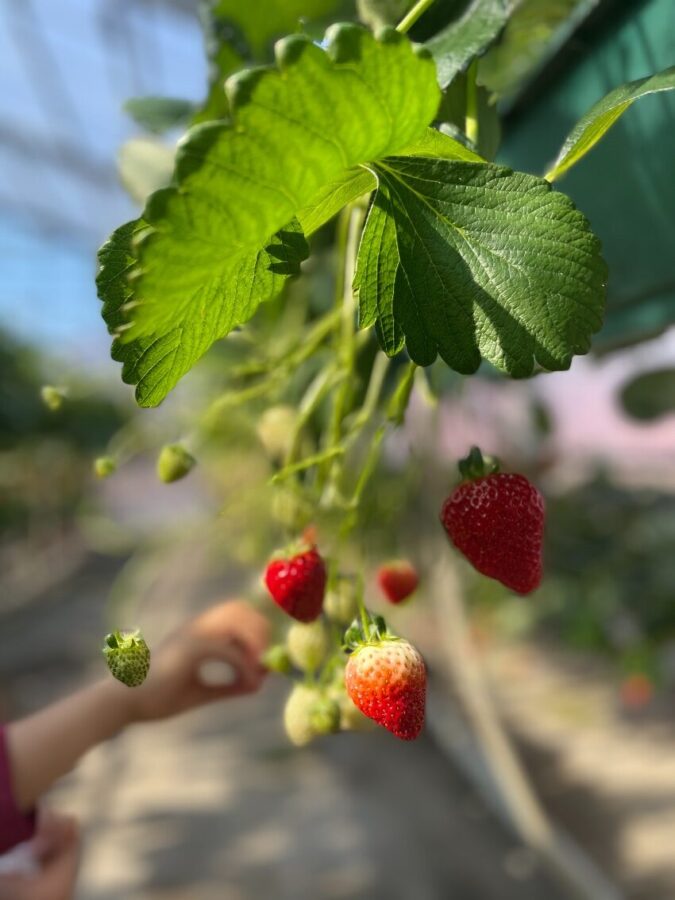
397	580
386	679
297	584
497	521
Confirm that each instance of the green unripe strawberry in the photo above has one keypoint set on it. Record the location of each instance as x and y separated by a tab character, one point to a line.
307	645
340	603
174	462
325	716
128	657
298	714
290	509
277	659
52	397
351	717
275	429
104	466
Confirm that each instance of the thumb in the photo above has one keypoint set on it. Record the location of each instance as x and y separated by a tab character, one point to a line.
55	832
228	667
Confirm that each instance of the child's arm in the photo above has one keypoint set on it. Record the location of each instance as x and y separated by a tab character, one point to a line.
46	745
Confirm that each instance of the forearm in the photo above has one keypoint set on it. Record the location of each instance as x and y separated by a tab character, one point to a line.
46	745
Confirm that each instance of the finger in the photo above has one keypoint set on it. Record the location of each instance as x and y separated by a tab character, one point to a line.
54	832
56	877
57	881
235	618
245	670
15	887
252	629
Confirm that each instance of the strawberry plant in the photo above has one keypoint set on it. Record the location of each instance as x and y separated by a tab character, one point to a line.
363	157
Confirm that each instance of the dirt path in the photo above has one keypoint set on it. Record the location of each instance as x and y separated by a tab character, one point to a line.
608	777
216	805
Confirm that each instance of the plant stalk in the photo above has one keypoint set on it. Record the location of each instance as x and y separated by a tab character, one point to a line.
348	247
471	119
410	18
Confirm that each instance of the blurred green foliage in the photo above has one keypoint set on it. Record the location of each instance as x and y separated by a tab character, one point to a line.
45	455
524	43
650	395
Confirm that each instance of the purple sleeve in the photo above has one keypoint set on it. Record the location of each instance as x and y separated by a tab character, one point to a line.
15	826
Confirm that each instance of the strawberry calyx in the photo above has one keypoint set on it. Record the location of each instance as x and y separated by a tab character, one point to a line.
296	547
368	629
122	640
475	465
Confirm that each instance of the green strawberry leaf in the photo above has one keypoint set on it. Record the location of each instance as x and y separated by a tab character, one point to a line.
650	395
295	129
470	35
489	263
201	266
355	182
375	277
156	362
159	114
600	118
261	21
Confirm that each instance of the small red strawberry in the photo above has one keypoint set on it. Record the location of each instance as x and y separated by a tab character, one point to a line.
297	584
637	691
497	521
397	580
386	679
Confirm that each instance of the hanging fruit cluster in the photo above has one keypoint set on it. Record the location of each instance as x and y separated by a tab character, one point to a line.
349	670
346	677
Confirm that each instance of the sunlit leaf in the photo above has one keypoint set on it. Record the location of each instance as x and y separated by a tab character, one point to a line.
202	267
159	114
491	263
600	118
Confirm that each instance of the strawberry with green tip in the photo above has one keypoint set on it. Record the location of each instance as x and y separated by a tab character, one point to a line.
386	679
173	463
340	603
309	713
397	580
308	644
52	397
104	466
127	656
497	521
276	659
297	584
325	716
298	714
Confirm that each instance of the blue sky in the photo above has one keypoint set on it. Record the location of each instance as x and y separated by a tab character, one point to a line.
66	67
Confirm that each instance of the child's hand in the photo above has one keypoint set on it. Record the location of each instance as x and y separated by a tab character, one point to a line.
56	850
232	633
44	746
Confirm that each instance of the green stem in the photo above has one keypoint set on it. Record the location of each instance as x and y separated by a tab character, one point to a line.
377	376
348	330
369	465
363	612
471	121
409	20
348	245
290	361
314	394
306	463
